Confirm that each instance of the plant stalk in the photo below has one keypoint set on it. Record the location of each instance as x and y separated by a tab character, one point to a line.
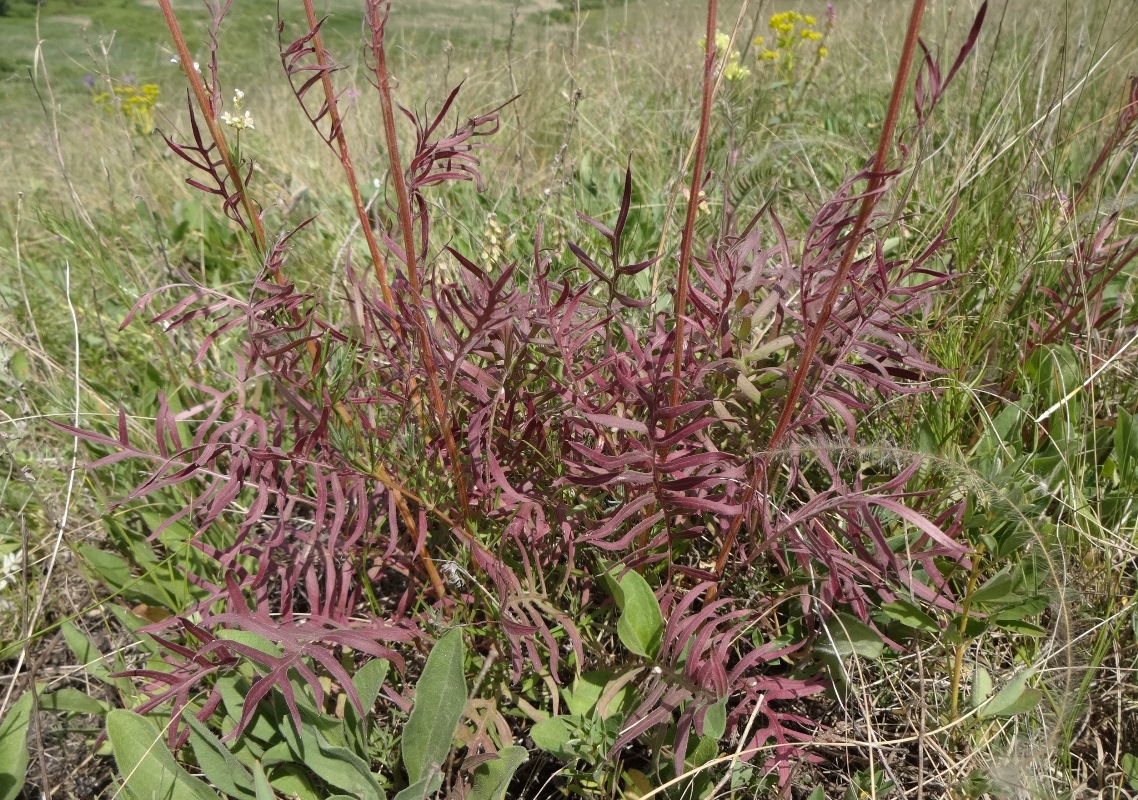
406	223
868	202
215	131
681	296
380	265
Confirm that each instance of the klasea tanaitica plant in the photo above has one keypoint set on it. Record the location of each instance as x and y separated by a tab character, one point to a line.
488	448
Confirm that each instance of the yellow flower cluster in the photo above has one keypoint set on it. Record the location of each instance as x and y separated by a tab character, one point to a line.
733	70
496	243
135	103
792	32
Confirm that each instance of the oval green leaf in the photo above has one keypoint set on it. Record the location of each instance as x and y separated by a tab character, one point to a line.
147	766
440	697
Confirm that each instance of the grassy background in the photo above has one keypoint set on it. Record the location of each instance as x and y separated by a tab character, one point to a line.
92	216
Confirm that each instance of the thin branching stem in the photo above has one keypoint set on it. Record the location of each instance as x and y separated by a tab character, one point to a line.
869	201
378	262
207	110
378	22
814	337
681	297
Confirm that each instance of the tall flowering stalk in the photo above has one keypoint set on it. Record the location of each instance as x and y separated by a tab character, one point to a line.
680	302
206	106
377	15
313	44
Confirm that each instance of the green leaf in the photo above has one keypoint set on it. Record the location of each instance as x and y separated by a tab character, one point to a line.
996	589
618	693
261	783
909	614
849	636
423	788
337	766
1125	454
18	366
582	695
73	701
1014	698
368	681
1022	627
116	573
1130	769
14	747
641	624
86	653
554	735
148	768
254	640
715	720
973	628
817	794
705	749
293	781
492	778
981	687
219	765
440	697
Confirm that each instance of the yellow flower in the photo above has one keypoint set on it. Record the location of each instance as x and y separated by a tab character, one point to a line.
702	207
135	104
734	71
722	42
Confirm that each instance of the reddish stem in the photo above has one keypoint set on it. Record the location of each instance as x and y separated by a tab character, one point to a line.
681	297
406	223
868	202
198	89
345	156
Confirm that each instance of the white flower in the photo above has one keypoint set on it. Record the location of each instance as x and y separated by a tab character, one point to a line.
245	121
238	98
10	566
176	60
